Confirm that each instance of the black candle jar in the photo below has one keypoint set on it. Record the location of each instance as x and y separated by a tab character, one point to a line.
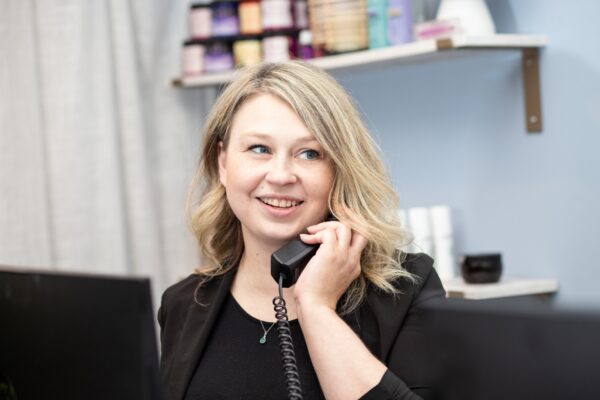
481	268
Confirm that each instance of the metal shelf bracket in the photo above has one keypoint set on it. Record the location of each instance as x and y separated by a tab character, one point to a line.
531	89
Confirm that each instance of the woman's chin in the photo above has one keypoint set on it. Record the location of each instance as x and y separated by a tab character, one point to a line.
283	239
273	236
278	239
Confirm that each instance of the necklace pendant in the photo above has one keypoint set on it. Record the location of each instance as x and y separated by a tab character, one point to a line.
263	339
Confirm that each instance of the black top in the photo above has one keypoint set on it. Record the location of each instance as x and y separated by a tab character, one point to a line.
235	365
391	327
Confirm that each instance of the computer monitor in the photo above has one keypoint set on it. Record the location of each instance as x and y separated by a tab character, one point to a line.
74	336
513	349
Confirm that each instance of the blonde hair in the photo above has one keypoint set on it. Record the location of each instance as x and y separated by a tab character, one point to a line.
361	182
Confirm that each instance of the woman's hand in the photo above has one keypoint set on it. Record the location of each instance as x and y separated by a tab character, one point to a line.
335	265
345	367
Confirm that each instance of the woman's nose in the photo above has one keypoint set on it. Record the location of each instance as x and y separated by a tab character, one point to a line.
281	171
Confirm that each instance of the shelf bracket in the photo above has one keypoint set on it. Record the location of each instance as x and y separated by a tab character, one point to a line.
531	89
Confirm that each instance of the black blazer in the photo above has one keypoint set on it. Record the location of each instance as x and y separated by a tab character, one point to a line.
390	326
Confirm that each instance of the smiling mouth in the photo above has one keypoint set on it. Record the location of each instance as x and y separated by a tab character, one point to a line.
280	203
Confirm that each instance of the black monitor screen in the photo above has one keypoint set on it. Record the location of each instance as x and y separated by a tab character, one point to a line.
65	336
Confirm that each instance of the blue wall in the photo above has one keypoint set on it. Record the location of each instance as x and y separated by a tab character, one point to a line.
454	133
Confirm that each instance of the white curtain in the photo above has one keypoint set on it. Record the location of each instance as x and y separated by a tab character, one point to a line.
96	146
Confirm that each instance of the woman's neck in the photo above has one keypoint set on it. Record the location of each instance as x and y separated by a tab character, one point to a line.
254	270
254	287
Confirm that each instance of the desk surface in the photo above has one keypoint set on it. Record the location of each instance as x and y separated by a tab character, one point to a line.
508	286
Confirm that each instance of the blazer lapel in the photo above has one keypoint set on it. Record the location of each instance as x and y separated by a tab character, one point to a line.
196	331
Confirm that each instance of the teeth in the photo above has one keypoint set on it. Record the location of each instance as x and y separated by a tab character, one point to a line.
280	203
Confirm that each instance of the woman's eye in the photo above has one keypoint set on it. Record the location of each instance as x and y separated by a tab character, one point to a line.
259	149
310	155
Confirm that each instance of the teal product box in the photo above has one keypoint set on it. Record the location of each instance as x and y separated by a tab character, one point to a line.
378	23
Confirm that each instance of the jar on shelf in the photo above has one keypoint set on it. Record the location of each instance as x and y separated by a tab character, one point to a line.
305	48
192	58
225	19
247	52
200	21
339	26
300	14
218	57
276	48
276	14
250	17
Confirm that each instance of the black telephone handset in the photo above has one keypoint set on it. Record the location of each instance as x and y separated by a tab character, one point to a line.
287	264
290	261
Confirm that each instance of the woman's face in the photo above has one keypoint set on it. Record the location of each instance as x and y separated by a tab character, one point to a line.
276	174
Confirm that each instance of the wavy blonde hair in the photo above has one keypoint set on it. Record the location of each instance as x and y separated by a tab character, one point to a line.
361	181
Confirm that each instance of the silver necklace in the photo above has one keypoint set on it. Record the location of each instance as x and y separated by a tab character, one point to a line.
263	338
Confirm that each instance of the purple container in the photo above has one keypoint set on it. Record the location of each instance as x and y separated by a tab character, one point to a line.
400	21
218	58
225	19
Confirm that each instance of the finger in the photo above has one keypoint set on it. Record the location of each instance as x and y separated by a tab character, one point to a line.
310	239
358	242
323	225
325	236
328	238
344	237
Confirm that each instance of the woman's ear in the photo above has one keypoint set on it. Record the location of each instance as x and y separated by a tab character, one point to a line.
222	158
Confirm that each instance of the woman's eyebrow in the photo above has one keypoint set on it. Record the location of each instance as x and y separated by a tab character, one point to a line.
255	134
264	136
307	139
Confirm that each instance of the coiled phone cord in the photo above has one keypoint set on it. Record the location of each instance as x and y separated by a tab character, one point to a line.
290	369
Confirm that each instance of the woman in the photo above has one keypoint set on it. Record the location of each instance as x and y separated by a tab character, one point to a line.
285	152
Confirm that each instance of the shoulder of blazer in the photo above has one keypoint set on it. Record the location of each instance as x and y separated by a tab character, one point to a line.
188	313
177	297
420	265
383	314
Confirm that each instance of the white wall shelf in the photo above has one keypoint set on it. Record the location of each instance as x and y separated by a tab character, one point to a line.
457	288
423	51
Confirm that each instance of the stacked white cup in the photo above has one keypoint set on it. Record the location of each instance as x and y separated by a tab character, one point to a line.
420	226
432	234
